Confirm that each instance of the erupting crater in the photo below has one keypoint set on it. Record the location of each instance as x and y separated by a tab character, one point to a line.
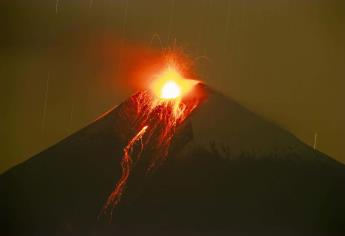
159	111
170	84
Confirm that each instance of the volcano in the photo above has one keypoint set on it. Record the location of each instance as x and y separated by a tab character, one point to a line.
227	171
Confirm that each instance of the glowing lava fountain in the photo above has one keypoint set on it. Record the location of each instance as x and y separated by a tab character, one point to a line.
158	112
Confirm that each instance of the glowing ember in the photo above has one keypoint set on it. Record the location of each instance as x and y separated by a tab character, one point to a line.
170	90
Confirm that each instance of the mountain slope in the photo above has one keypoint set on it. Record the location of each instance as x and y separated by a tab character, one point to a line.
270	184
225	123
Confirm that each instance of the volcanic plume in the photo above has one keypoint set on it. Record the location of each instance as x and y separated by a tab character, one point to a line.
158	112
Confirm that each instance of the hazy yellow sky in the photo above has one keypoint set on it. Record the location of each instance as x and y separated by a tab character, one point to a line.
282	59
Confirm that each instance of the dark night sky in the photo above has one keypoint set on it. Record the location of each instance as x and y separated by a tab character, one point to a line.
282	59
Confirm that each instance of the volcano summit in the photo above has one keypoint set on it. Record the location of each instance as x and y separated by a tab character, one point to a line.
218	170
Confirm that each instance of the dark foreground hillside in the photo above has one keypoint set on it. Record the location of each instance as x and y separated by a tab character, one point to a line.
195	193
255	195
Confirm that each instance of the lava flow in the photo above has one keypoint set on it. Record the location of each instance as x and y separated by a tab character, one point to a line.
126	165
158	112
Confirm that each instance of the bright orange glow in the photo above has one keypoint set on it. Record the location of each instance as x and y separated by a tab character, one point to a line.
170	90
170	84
